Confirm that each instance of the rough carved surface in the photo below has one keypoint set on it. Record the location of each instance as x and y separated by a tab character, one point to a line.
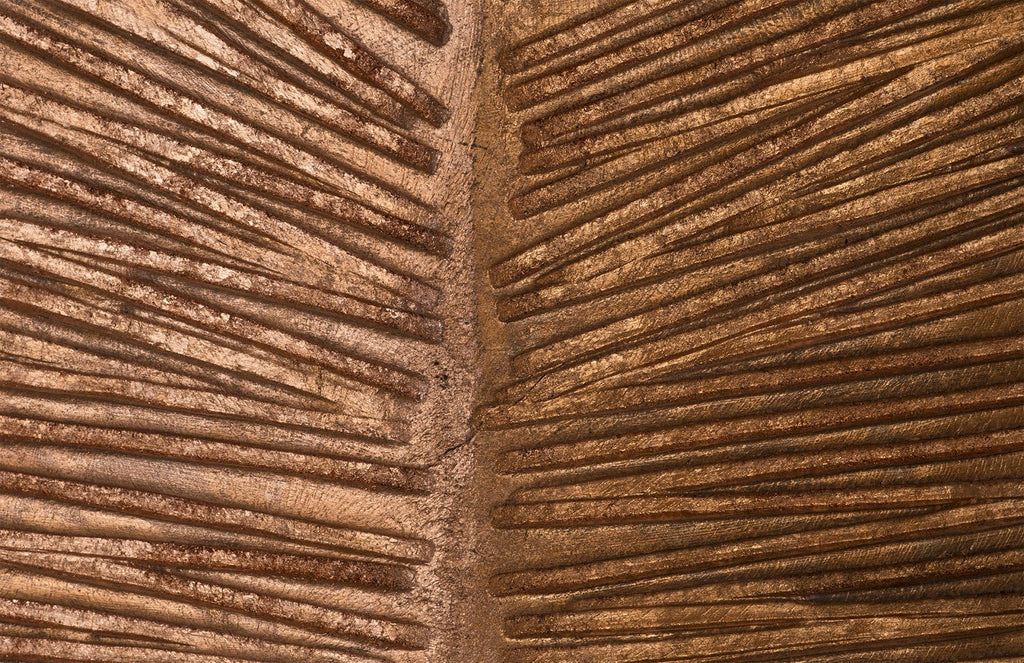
222	234
763	398
394	330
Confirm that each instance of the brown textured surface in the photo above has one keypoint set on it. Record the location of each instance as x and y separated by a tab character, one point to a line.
394	330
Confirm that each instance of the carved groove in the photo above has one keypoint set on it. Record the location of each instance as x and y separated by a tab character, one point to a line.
218	307
765	343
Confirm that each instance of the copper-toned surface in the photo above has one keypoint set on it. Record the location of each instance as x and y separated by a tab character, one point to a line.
401	330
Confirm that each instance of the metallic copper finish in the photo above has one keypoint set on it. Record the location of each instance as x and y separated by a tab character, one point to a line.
533	332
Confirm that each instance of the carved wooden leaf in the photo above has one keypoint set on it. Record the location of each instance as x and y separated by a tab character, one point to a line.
605	330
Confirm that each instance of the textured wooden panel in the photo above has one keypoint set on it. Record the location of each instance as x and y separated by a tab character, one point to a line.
225	227
605	330
762	331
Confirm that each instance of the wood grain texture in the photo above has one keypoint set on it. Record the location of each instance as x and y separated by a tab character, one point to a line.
762	331
423	332
225	231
